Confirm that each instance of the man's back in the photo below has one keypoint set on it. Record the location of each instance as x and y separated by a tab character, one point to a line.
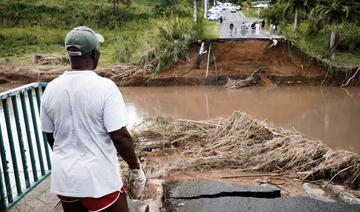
80	108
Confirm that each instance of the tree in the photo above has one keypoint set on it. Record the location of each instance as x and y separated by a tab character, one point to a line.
334	13
296	6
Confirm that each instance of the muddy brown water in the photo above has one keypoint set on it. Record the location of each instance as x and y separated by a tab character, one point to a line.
329	114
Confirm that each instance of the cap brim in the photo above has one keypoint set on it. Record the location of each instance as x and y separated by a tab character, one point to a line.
100	38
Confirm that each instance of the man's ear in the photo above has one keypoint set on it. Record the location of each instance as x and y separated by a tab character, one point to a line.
95	55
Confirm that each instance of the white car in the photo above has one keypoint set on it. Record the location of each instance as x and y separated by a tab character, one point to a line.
233	10
213	17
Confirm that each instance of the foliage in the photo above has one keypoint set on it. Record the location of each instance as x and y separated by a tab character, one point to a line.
210	29
132	33
317	45
171	8
250	13
320	17
336	12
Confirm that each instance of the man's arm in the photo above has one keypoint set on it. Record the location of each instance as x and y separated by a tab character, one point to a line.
124	145
50	139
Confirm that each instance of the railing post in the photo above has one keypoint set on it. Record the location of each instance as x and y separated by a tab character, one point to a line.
35	127
5	169
20	141
38	99
2	194
11	144
28	134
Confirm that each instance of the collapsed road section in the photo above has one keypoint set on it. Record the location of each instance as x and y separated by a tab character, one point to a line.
219	196
214	62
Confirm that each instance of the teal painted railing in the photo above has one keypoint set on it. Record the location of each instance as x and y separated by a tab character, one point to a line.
24	152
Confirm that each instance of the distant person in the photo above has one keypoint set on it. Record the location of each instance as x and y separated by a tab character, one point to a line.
263	24
257	28
84	118
231	28
221	19
274	43
253	27
243	29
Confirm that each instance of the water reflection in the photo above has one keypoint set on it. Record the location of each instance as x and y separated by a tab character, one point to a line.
329	114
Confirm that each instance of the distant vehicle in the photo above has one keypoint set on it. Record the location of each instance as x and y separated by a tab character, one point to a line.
233	10
238	8
213	17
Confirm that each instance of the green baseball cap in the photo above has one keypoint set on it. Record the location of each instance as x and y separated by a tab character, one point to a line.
84	39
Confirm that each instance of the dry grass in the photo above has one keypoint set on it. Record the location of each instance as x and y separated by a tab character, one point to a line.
244	143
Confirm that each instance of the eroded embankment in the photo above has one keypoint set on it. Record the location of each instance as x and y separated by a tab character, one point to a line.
238	59
228	59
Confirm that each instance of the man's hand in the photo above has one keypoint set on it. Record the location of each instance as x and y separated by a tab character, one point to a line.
125	147
139	179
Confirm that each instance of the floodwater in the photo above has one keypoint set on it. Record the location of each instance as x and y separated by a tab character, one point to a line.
329	114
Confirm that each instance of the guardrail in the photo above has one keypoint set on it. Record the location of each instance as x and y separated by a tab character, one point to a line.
21	136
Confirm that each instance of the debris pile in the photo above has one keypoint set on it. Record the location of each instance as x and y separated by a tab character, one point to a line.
251	80
244	143
50	59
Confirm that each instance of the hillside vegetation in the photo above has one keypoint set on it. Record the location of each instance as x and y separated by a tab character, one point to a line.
328	30
149	33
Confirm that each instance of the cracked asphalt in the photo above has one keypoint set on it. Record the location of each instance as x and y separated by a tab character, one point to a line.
217	196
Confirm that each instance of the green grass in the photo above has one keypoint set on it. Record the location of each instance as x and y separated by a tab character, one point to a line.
155	33
210	29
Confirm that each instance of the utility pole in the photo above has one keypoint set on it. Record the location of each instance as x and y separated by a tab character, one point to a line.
205	7
195	12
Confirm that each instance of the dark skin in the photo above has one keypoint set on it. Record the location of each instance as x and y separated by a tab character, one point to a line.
121	138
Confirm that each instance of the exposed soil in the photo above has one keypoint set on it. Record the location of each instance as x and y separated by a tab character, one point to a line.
234	59
238	59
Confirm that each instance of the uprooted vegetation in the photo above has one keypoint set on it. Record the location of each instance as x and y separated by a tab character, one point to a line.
241	142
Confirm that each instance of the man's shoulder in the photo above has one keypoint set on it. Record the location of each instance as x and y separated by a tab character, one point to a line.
103	82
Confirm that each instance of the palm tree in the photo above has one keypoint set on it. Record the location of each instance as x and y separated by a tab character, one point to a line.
296	6
334	13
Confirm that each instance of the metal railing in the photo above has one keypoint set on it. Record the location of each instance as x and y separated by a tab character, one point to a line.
24	151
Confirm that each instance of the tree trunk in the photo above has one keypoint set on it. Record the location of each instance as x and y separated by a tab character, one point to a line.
333	45
296	20
114	6
195	11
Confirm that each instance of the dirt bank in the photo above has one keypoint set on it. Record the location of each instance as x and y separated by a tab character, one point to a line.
238	59
230	59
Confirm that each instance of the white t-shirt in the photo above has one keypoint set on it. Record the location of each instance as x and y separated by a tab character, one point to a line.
80	108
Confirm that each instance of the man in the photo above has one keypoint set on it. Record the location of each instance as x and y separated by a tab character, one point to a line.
84	118
231	29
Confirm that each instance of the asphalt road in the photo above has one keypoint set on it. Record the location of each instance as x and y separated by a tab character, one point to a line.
221	196
239	20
